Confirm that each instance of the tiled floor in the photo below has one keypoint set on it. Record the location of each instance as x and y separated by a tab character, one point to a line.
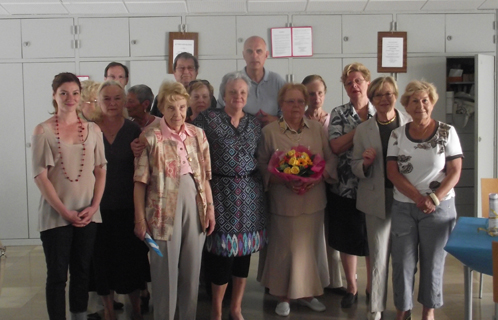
22	295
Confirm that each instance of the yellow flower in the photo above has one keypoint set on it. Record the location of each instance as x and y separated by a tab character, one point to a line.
294	170
282	162
293	161
304	155
291	153
287	170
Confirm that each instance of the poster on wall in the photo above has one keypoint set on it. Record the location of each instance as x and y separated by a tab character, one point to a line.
182	42
292	42
391	52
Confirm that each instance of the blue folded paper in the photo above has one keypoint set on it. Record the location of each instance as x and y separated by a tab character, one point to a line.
153	244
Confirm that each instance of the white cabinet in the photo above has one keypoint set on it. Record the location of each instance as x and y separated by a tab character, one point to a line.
470	32
359	32
10	38
327	31
425	32
13	195
431	69
329	69
248	26
47	38
217	35
150	73
214	70
37	108
149	36
103	37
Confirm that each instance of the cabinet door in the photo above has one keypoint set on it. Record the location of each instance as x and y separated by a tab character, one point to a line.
248	26
359	32
47	38
149	36
217	34
326	32
432	69
13	194
425	31
470	32
103	37
37	108
329	69
485	152
10	37
214	70
150	73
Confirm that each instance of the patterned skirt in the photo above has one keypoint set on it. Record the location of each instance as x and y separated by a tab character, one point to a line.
240	212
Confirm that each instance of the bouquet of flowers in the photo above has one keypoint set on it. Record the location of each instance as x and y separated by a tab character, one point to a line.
298	164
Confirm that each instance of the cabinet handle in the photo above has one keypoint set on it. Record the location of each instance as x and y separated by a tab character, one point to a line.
240	40
449	38
346	39
479	139
133	41
28	145
26	43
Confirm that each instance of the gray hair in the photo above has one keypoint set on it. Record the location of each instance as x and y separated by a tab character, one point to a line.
232	76
142	92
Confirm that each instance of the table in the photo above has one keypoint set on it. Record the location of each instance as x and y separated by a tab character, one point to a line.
474	249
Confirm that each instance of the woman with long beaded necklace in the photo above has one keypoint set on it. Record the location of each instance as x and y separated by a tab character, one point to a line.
69	168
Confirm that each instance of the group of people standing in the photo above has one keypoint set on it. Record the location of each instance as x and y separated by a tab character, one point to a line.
197	180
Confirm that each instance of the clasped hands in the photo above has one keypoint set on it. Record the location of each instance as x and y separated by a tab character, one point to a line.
299	187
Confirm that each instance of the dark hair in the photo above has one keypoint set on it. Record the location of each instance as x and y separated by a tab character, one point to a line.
314	77
59	80
186	56
116	64
143	93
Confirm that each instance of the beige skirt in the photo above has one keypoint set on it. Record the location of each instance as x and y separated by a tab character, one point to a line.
296	261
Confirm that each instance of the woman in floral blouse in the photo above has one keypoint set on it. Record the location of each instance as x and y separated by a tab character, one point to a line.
174	204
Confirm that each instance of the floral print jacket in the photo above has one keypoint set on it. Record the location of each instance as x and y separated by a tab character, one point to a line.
159	168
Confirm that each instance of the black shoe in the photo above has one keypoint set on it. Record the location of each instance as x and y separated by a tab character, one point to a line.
118	305
94	316
349	299
341	291
144	303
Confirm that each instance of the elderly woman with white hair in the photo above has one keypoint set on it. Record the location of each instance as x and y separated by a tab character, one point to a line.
174	204
237	192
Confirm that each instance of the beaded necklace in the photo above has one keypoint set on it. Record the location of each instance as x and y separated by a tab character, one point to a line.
80	133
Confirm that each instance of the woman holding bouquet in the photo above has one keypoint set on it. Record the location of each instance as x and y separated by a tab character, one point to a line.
296	263
239	199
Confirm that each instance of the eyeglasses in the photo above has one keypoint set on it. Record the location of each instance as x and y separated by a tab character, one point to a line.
182	69
300	103
358	82
91	101
118	77
198	80
388	95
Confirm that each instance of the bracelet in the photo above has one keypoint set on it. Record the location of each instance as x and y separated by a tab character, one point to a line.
434	199
210	204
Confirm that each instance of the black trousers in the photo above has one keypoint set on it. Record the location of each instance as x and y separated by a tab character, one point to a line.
66	248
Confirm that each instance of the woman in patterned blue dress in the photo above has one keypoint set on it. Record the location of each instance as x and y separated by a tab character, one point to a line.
238	193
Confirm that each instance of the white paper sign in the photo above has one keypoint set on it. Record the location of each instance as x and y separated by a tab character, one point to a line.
281	42
301	42
182	45
392	52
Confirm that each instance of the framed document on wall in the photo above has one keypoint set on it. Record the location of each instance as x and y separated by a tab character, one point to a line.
391	52
182	42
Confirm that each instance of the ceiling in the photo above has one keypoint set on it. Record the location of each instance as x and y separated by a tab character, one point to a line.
169	7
